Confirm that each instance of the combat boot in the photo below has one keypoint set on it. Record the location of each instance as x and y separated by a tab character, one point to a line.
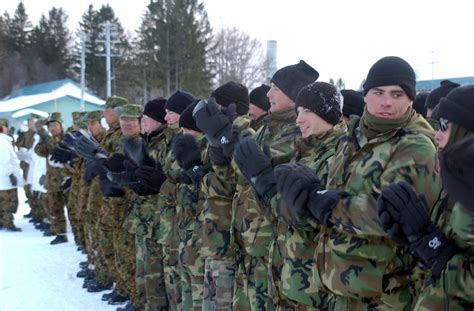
95	287
83	264
12	228
84	273
117	299
128	307
60	238
106	297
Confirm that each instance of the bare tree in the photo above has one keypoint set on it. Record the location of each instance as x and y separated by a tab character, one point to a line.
238	57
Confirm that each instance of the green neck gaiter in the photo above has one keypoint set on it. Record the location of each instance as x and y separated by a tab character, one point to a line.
372	126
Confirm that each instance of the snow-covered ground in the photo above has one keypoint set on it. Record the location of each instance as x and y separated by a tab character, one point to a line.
35	275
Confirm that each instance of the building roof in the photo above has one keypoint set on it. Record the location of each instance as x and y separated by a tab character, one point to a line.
37	94
428	85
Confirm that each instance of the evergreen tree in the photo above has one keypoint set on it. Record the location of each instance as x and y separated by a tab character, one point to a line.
173	41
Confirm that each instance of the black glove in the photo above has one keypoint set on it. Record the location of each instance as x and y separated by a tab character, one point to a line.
115	163
194	174
186	151
93	168
109	188
322	202
410	210
390	224
66	184
87	147
213	122
142	190
250	158
70	139
13	180
294	183
151	177
125	177
217	156
256	165
62	154
42	179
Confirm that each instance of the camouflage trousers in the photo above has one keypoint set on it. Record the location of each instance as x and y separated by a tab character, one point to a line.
124	254
251	284
172	276
219	279
55	204
149	276
8	206
73	216
91	236
400	299
37	204
192	271
105	270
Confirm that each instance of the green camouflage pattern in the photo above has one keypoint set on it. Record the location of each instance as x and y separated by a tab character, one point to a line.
166	233
95	115
115	101
257	123
149	256
8	206
131	111
454	290
355	260
55	174
254	226
189	218
297	238
54	117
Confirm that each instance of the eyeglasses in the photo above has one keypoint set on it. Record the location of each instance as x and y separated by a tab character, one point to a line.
443	124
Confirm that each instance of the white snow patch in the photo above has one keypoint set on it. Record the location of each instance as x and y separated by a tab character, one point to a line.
37	276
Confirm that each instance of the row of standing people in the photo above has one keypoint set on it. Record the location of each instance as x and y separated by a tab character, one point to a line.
298	210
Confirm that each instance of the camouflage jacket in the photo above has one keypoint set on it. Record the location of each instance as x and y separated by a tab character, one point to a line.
297	238
189	213
110	208
219	188
55	171
354	258
257	123
254	225
145	207
167	230
93	196
454	290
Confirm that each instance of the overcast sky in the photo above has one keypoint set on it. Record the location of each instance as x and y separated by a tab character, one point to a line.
339	38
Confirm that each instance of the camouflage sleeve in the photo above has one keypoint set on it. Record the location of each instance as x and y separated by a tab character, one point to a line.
413	160
44	148
458	276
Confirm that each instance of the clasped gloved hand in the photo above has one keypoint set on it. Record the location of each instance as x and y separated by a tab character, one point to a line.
194	174
256	165
151	177
87	146
215	123
186	151
62	154
93	168
121	170
302	190
109	188
410	210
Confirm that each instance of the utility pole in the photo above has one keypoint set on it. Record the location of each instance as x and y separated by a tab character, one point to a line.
107	58
83	68
108	72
